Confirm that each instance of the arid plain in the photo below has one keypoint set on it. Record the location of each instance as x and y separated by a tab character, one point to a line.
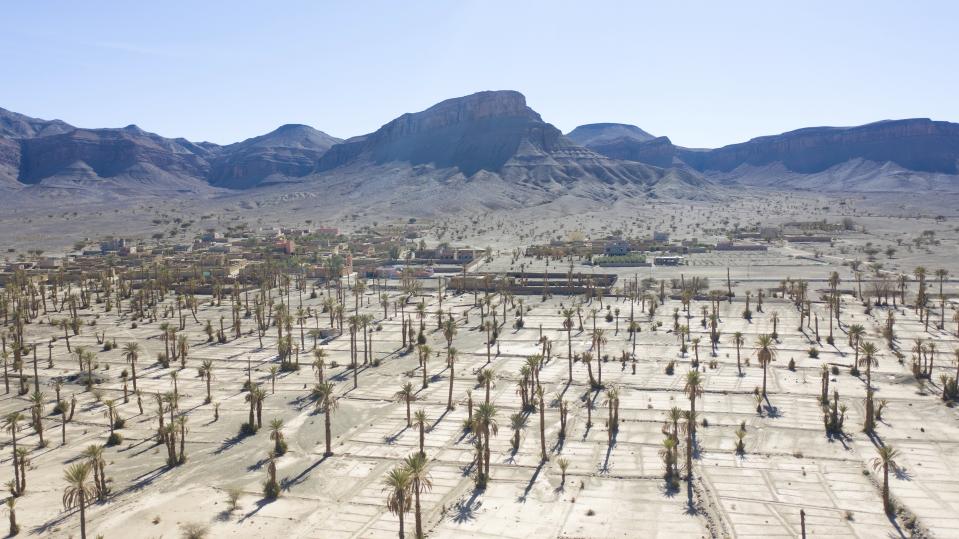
638	468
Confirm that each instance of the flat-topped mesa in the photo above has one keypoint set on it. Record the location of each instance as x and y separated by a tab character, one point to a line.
471	108
482	131
604	133
915	144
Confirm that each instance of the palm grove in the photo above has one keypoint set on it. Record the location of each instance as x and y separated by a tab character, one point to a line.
560	387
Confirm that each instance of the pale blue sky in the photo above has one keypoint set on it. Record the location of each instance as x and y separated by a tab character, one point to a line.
703	73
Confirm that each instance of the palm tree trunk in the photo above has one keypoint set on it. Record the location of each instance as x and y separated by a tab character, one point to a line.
542	427
885	488
329	449
419	518
764	379
449	399
83	516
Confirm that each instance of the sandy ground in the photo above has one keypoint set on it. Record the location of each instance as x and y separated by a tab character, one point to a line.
611	490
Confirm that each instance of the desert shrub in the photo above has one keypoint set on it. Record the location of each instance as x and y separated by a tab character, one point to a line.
114	439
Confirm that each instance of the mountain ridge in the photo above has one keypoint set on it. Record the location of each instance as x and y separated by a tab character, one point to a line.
489	136
919	145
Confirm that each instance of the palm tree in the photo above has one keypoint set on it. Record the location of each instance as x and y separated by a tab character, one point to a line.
693	389
399	485
206	372
485	425
568	326
420	420
855	333
486	378
78	491
599	338
739	341
690	427
12	511
886	459
183	346
319	361
542	426
517	422
274	370
421	480
766	353
451	355
424	351
131	352
587	358
326	401
941	275
276	434
94	455
868	358
38	398
612	401
408	395
12	425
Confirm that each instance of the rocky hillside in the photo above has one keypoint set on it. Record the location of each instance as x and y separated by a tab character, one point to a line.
291	151
48	154
109	153
478	132
490	133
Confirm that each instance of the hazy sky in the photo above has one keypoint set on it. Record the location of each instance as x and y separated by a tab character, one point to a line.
703	73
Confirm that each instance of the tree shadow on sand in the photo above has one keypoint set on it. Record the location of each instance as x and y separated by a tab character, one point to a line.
287	483
260	504
532	480
230	442
466	511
